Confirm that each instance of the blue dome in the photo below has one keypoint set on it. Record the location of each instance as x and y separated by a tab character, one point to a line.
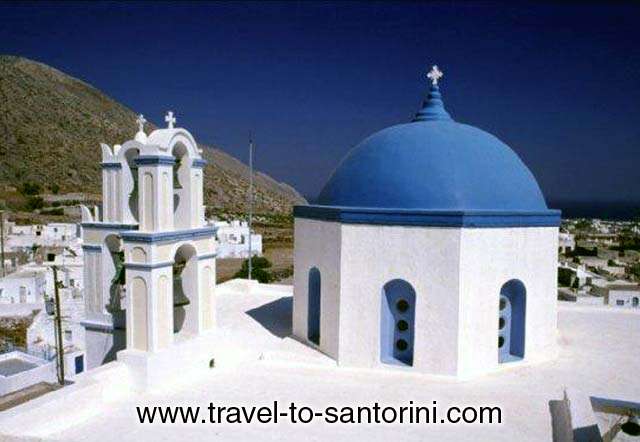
433	166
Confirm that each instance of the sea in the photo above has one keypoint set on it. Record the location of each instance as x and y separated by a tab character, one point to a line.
609	210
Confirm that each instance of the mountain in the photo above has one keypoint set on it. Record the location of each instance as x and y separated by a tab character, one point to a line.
51	125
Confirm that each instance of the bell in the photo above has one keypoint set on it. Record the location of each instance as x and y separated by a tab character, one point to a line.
176	179
631	426
179	298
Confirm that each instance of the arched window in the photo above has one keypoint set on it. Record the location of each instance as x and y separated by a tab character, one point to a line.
313	308
397	318
511	321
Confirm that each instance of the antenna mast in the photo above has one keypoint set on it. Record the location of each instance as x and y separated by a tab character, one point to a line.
250	200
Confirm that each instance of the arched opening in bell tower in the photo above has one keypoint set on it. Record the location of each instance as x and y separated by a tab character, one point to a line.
114	273
131	155
181	186
185	290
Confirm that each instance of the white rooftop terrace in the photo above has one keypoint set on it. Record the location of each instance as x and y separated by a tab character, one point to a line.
257	363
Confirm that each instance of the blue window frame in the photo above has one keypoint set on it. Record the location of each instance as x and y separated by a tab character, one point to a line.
511	321
398	311
79	364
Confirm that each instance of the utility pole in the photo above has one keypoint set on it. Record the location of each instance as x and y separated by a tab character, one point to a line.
58	326
2	241
250	200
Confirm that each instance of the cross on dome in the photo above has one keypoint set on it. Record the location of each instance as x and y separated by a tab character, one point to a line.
435	75
170	119
141	120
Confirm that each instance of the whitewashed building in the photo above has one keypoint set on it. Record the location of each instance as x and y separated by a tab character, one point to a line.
70	263
566	242
53	234
623	295
23	287
153	228
233	239
431	248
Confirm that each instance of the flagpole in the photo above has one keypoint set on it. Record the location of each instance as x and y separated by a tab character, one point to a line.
250	200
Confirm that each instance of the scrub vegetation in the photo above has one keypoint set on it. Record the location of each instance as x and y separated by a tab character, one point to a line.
51	125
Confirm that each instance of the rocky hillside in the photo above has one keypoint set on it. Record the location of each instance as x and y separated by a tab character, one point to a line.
51	125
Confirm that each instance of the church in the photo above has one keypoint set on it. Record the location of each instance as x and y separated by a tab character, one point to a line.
150	257
430	248
425	270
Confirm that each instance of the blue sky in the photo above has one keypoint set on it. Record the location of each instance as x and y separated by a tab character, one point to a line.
559	83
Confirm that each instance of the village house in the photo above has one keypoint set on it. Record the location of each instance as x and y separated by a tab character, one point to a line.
233	239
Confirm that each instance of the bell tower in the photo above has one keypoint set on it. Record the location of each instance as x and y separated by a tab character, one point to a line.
153	201
170	259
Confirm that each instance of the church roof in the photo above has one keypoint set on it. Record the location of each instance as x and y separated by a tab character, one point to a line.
432	171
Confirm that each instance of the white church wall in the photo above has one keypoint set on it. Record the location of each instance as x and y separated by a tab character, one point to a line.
426	258
490	258
98	344
166	196
317	244
196	199
159	308
139	305
207	272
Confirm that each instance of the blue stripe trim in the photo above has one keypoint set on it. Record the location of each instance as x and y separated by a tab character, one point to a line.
92	247
141	266
199	163
145	160
202	232
111	165
111	226
434	218
207	256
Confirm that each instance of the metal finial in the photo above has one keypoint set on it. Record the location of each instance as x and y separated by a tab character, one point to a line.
141	120
435	75
170	119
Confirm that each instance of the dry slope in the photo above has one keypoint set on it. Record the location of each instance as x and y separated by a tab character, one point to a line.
51	125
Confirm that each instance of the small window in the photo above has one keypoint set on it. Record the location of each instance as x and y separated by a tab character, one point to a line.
51	257
402	306
68	335
619	302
